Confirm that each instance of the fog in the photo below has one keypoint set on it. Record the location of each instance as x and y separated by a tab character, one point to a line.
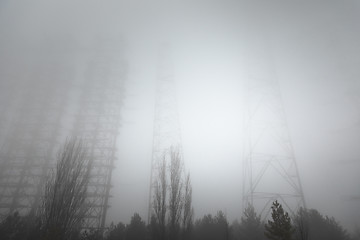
314	51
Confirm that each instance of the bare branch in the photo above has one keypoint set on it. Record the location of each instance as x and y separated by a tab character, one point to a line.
63	205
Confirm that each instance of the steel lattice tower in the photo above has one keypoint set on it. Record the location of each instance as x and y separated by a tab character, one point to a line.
269	166
29	147
98	121
166	132
7	95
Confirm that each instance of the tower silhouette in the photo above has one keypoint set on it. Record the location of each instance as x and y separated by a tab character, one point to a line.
98	122
270	170
166	132
34	132
40	121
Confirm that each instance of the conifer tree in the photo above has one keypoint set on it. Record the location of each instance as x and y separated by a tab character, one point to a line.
280	227
251	227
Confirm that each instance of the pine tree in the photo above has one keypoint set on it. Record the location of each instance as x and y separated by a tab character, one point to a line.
136	230
280	227
251	227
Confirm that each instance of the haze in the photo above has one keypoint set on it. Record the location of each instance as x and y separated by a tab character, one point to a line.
315	54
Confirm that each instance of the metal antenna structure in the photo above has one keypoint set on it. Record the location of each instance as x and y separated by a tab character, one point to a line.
270	170
33	136
98	121
166	132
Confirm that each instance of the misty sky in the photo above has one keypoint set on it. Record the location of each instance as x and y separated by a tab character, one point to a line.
315	49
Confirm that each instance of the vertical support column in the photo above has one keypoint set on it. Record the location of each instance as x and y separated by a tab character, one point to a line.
33	135
166	133
270	170
98	122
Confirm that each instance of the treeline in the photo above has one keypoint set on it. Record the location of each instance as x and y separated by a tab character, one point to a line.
63	209
305	225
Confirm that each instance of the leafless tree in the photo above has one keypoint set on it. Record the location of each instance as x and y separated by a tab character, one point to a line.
63	205
188	211
176	188
172	197
159	203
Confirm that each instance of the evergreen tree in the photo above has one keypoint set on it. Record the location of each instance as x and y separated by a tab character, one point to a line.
310	224
222	226
212	228
280	227
136	230
251	227
116	232
301	224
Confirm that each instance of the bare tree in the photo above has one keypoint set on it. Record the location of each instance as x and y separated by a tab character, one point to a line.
175	198
188	211
63	206
178	201
160	199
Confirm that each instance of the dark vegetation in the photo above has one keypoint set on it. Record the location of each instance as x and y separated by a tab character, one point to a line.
64	207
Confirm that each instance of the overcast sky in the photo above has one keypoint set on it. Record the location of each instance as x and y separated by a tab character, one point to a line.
315	51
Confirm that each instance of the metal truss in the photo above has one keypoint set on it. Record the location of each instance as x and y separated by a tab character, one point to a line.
28	149
98	121
270	170
166	132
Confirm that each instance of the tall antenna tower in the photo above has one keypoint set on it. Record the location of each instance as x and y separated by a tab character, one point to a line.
270	170
33	135
166	133
7	97
98	121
